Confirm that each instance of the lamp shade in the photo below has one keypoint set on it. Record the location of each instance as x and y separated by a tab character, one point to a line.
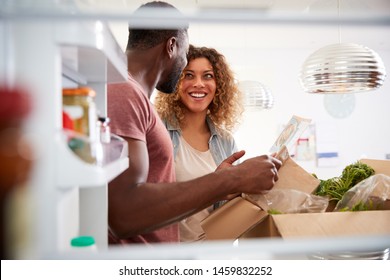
342	68
256	95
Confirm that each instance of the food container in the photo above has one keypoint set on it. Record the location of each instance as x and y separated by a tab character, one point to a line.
79	105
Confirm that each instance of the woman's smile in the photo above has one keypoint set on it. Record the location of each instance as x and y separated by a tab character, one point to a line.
198	85
197	94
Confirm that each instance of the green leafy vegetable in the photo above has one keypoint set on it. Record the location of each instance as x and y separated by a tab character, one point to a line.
357	172
370	204
336	187
274	211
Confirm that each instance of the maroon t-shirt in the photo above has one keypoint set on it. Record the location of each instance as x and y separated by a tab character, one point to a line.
132	115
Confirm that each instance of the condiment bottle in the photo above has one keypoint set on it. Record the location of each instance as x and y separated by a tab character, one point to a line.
105	132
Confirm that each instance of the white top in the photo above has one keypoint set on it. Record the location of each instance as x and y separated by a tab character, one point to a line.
189	164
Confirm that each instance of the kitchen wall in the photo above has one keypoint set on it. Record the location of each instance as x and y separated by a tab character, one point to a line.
273	54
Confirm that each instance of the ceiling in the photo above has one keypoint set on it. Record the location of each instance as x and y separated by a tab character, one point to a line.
248	23
271	6
273	33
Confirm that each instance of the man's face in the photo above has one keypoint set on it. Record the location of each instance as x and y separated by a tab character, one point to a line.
180	61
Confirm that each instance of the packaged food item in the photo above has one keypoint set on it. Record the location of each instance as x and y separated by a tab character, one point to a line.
290	133
79	105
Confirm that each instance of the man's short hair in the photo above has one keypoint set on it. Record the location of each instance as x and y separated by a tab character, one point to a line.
145	38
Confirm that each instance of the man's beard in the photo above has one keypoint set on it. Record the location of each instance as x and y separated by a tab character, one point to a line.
169	86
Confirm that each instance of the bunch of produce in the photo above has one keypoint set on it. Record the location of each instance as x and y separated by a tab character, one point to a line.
336	187
370	194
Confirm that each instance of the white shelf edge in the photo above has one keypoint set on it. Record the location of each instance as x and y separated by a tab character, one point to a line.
94	37
74	172
73	75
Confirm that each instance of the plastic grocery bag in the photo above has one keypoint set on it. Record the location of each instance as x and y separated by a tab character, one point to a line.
372	193
283	201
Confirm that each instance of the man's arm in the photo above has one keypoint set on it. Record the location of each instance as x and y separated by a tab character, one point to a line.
136	207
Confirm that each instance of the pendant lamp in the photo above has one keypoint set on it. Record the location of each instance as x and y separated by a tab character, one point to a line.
343	68
256	95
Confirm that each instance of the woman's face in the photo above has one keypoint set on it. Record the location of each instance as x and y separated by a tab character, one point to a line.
198	86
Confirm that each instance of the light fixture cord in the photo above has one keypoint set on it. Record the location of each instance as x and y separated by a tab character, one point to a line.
338	16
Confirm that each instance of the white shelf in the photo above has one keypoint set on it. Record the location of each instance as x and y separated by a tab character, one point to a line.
88	46
245	249
90	56
72	194
73	171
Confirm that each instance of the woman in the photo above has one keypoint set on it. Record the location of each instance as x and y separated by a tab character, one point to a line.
200	117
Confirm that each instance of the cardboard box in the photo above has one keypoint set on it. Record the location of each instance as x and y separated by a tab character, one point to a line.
380	166
241	214
243	218
322	225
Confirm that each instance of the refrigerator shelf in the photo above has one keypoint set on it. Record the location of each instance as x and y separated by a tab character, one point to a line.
86	163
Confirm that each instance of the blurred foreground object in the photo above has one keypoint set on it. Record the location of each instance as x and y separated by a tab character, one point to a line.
15	151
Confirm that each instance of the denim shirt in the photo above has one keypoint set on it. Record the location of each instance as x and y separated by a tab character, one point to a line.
220	146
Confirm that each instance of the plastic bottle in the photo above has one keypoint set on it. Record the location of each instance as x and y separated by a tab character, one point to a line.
105	133
85	243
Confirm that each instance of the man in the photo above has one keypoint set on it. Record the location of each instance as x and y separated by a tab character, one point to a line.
144	202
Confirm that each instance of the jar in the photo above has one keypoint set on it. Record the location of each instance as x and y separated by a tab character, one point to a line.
80	106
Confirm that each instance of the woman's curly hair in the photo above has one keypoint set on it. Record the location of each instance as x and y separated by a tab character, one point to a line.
226	109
